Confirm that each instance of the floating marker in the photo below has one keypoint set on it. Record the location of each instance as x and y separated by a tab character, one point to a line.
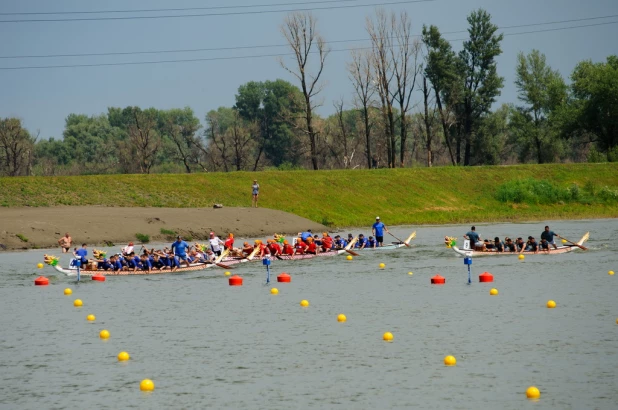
341	317
304	303
146	385
382	266
235	281
551	304
68	291
438	280
349	257
388	337
533	393
521	257
123	356
78	303
41	281
91	318
274	291
493	292
486	277
104	334
450	361
39	265
284	277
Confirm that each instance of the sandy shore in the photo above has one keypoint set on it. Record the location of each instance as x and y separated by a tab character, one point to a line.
42	227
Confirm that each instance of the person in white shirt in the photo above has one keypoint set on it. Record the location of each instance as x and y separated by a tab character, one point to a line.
216	244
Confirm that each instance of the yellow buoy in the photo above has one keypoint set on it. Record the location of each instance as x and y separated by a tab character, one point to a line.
611	272
493	292
533	393
410	273
39	265
104	334
228	273
78	303
146	385
564	241
521	257
349	257
551	304
274	291
91	318
450	360
68	291
123	356
341	317
382	266
388	336
304	303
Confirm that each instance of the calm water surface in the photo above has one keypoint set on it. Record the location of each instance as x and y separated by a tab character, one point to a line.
206	344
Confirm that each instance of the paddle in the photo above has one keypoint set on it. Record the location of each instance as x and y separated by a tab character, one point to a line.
574	243
398	239
351	244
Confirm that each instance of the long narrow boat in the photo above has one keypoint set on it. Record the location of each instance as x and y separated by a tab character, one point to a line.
72	269
391	246
561	249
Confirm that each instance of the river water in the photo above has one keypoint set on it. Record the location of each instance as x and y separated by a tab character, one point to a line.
206	344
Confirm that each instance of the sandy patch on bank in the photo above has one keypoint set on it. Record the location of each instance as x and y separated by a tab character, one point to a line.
96	225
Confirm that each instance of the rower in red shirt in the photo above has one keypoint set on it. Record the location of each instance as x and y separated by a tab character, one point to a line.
274	247
300	247
229	242
287	248
247	249
327	242
311	246
263	249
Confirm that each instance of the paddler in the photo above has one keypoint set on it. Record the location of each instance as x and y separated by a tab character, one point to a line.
327	242
378	229
372	243
362	242
300	247
305	235
274	247
340	243
247	249
179	248
312	247
263	249
287	248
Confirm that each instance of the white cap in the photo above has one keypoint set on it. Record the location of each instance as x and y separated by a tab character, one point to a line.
377	217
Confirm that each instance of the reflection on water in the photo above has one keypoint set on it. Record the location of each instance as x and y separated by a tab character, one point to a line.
206	344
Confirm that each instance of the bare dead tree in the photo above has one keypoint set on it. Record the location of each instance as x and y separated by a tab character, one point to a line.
361	76
405	52
300	33
381	46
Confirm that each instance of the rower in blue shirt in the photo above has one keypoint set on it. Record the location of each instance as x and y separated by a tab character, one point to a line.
306	235
180	250
475	239
371	242
339	242
82	254
362	242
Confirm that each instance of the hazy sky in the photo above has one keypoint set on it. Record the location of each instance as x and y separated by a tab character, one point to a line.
43	98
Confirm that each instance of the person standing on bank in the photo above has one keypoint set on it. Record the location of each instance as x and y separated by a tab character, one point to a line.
65	243
255	189
378	229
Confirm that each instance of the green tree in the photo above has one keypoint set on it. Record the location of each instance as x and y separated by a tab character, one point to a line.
274	107
91	143
16	148
180	126
594	108
441	71
493	144
543	90
477	69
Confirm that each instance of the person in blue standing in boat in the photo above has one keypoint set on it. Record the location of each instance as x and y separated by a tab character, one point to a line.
549	236
378	229
255	192
475	239
179	248
306	234
82	255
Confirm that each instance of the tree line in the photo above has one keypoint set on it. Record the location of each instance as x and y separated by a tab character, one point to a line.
415	102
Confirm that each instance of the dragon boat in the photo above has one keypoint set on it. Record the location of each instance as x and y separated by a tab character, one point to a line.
390	246
467	251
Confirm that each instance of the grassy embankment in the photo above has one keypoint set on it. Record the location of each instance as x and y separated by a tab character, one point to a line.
345	198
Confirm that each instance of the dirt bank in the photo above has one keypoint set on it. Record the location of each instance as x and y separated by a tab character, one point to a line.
95	225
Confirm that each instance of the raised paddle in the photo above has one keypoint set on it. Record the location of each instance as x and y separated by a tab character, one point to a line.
351	244
398	239
574	243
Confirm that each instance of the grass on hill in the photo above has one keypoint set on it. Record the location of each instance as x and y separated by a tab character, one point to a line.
352	197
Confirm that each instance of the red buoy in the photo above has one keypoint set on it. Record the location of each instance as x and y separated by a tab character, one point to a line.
98	277
438	280
41	281
235	281
486	277
284	277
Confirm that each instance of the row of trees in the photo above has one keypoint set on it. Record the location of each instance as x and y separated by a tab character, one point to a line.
416	101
